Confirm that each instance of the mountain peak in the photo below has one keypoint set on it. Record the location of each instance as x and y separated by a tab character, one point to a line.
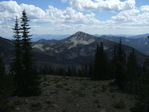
80	38
82	34
79	32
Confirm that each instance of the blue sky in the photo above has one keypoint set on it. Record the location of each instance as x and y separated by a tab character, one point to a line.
69	16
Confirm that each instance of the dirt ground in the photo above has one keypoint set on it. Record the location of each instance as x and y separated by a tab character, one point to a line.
74	94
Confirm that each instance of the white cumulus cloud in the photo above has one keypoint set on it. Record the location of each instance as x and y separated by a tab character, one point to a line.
145	8
10	9
52	15
132	17
127	16
70	15
102	5
79	15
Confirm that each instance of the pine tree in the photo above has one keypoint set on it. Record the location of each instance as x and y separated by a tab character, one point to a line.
120	53
120	66
95	75
132	72
100	64
16	64
90	69
114	63
69	71
132	65
31	84
142	99
45	70
25	73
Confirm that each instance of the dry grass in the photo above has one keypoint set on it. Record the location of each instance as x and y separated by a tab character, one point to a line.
74	94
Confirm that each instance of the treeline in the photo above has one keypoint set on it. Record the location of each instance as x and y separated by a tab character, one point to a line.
119	68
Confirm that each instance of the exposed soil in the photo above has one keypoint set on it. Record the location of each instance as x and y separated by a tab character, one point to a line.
74	94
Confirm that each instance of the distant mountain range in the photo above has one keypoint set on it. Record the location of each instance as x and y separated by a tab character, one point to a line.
36	37
77	49
80	48
140	42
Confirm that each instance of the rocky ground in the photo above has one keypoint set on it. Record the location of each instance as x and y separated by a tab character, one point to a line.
74	94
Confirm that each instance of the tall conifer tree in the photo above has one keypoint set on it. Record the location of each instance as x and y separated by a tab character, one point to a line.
132	72
16	64
142	99
23	65
120	66
114	62
100	64
31	84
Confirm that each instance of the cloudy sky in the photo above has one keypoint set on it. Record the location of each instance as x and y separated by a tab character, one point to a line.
70	16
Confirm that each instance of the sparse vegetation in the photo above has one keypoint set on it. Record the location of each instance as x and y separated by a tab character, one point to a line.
113	96
104	88
95	92
69	99
79	93
119	105
59	86
96	101
17	102
36	106
45	84
65	83
57	96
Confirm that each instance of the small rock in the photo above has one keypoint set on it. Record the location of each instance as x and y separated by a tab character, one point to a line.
17	108
47	94
25	101
99	105
54	105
